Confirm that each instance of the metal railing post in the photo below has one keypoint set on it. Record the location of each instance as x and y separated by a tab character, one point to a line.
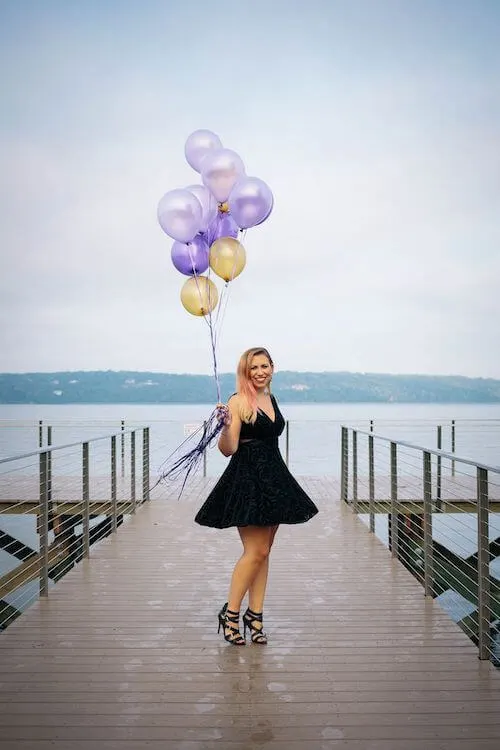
49	465
371	481
44	525
453	446
394	500
40	433
355	471
145	464
344	464
483	565
428	545
114	512
439	467
287	442
205	451
123	446
86	500
132	470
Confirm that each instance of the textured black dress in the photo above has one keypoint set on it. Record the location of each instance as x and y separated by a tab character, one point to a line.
256	489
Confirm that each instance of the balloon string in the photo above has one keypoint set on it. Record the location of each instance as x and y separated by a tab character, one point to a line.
216	326
189	462
223	302
213	343
208	319
222	306
243	233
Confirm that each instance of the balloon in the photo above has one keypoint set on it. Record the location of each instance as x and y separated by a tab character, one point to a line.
180	215
199	295
222	226
250	202
268	214
191	259
198	145
227	258
208	204
220	170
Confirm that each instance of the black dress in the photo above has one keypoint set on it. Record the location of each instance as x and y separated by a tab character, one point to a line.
256	489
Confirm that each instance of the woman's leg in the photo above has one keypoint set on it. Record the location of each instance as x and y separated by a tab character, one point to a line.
257	589
257	542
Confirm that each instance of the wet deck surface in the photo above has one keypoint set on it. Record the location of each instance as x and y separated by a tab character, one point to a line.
124	654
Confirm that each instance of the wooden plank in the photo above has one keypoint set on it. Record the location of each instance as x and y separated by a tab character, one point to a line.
125	653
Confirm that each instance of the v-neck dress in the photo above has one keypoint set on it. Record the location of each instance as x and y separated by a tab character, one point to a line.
256	488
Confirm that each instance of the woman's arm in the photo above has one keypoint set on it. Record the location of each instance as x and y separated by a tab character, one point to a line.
230	435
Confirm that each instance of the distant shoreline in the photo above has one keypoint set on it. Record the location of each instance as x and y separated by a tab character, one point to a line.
292	387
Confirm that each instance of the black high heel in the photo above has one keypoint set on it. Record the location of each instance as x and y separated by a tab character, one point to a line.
257	634
234	636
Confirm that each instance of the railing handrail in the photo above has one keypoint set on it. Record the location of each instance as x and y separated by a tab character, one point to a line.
433	451
51	448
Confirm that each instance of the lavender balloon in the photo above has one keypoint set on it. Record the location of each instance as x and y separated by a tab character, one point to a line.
222	226
268	214
180	215
198	145
208	205
220	170
250	202
192	258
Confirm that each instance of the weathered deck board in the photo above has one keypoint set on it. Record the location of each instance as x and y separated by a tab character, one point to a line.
124	654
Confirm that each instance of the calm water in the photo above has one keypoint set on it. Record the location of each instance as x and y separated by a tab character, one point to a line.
314	429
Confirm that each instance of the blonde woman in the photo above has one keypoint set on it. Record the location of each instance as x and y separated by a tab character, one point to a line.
256	493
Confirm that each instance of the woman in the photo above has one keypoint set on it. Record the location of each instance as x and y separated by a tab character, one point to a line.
255	493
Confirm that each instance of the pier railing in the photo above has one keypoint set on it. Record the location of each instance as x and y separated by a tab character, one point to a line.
309	446
55	502
439	514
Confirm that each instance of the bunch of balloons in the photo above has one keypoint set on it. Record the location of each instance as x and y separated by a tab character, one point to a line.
205	220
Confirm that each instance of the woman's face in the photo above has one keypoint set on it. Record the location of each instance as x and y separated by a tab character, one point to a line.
261	371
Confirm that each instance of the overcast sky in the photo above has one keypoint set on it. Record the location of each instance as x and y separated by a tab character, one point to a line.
376	124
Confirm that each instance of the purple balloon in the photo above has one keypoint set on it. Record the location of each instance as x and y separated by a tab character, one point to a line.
268	214
192	258
180	215
198	145
208	204
251	201
220	171
222	226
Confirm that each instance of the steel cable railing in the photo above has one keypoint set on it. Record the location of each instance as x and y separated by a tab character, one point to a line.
442	522
59	500
306	444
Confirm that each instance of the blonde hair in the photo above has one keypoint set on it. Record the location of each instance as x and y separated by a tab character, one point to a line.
244	385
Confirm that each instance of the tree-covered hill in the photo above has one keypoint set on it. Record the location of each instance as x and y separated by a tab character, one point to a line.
297	387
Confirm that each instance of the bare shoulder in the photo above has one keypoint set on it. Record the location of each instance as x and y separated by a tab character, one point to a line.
234	404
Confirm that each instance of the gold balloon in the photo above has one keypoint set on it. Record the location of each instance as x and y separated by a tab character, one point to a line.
199	295
227	258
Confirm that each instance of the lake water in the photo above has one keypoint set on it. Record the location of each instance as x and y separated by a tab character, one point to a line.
314	441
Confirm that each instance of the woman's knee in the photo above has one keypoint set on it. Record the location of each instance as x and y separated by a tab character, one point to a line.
259	552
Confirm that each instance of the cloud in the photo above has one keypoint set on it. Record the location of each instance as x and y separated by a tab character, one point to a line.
379	139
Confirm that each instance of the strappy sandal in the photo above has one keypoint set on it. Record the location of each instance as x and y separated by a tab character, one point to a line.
257	634
234	636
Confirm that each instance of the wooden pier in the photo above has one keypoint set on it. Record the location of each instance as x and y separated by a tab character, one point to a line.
124	654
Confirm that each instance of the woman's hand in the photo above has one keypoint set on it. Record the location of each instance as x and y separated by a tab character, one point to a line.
229	419
223	414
